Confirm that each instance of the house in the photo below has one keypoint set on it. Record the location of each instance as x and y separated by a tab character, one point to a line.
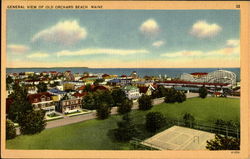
147	90
69	105
32	89
131	92
43	101
106	76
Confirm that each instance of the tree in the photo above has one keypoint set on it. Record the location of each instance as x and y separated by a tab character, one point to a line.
223	143
125	106
56	83
170	96
106	97
180	96
32	122
159	92
20	103
203	92
88	102
41	87
188	120
118	96
97	81
87	88
145	102
103	111
155	121
9	81
10	129
126	129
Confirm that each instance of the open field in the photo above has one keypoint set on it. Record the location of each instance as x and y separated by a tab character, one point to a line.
94	134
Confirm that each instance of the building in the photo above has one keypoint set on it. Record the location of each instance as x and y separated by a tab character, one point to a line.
147	90
131	92
42	101
69	105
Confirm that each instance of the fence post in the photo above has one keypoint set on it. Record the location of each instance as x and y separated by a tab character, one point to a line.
226	131
237	133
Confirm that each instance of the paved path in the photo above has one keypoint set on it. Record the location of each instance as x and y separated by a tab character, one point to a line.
76	119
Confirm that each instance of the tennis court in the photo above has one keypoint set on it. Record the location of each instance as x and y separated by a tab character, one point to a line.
179	138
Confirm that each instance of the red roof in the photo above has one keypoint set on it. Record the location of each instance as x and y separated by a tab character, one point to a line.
83	87
99	88
217	93
199	73
143	89
80	94
105	75
123	75
36	98
196	83
53	72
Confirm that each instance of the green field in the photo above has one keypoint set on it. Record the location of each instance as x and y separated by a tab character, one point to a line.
94	134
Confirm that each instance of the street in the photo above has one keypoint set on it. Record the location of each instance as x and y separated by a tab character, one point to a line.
76	119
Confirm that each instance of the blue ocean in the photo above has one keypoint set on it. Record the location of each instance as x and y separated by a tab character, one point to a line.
169	72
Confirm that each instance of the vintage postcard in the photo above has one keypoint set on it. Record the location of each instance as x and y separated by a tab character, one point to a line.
125	79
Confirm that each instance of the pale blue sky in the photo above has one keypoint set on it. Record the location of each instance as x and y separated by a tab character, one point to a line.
123	38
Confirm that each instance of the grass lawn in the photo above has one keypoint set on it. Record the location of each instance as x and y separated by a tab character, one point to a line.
94	134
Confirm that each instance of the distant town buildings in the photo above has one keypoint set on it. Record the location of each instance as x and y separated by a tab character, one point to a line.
65	90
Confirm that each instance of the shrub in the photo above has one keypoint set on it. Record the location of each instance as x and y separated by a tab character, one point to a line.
203	92
155	121
145	102
223	143
10	129
126	129
188	120
125	106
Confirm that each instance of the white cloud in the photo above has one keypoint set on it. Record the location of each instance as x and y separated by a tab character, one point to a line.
65	33
149	27
226	51
233	42
100	51
158	43
38	55
14	48
202	29
183	53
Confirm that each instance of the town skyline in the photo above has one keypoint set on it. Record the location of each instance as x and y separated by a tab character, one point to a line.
151	39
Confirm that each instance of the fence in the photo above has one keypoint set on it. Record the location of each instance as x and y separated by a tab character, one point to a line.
223	130
137	145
